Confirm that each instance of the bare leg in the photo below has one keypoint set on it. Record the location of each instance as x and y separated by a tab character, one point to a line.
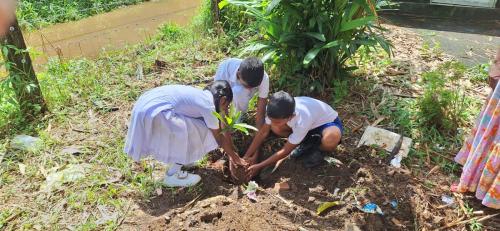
331	139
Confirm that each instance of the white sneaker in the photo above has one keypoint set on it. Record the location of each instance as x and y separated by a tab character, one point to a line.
182	179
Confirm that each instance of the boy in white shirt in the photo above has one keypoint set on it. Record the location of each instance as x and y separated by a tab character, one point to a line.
246	77
312	128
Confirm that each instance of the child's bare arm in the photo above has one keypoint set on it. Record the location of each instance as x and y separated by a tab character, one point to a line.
261	111
224	141
258	140
282	153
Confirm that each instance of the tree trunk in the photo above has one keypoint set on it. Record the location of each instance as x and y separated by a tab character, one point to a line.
215	11
20	68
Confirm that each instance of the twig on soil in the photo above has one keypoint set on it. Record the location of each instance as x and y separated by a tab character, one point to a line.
433	170
191	203
441	155
120	221
357	128
405	96
12	217
288	203
380	119
460	221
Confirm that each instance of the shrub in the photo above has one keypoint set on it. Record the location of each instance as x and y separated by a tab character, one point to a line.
310	40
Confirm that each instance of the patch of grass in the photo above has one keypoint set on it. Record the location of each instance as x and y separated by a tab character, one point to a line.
33	14
475	225
438	119
72	89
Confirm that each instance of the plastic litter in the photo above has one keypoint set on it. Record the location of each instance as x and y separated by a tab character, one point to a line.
396	161
336	192
251	190
334	161
371	208
71	173
26	143
394	204
447	199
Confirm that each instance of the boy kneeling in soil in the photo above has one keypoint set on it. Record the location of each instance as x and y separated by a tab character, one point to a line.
312	128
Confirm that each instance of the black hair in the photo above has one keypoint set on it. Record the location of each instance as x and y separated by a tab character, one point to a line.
219	89
252	71
281	105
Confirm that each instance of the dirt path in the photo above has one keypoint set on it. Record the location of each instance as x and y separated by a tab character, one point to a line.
110	31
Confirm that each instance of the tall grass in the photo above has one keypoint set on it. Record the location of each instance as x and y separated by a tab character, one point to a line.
33	14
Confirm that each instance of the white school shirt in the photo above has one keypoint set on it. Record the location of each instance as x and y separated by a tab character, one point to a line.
187	101
228	70
309	114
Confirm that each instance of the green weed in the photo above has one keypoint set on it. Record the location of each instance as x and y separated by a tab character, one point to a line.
33	14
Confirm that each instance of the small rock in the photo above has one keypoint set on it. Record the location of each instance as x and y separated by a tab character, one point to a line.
193	212
317	189
167	219
214	201
311	199
302	228
26	143
310	223
219	164
273	207
283	186
397	222
193	223
211	217
72	150
159	191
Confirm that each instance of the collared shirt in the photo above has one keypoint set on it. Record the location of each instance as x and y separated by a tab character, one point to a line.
310	113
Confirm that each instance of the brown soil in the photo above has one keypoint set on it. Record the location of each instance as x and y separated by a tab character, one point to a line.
220	205
364	176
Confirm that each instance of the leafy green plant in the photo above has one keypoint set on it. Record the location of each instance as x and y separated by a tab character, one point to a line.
474	225
310	41
231	122
444	104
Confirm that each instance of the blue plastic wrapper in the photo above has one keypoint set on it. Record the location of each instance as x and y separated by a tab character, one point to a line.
394	204
372	208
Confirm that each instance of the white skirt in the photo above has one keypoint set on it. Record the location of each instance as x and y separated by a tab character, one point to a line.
166	136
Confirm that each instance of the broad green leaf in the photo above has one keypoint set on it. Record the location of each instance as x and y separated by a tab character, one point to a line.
311	55
229	120
316	35
327	205
219	117
223	3
357	23
268	55
254	47
272	5
331	44
247	126
242	129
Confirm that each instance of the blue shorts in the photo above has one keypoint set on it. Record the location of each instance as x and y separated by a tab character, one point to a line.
319	130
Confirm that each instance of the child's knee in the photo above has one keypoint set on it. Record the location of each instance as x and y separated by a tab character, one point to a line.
331	139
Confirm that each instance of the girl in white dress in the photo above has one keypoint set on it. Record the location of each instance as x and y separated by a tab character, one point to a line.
175	124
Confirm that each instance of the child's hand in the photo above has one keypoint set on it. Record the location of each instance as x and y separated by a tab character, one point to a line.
238	161
252	171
